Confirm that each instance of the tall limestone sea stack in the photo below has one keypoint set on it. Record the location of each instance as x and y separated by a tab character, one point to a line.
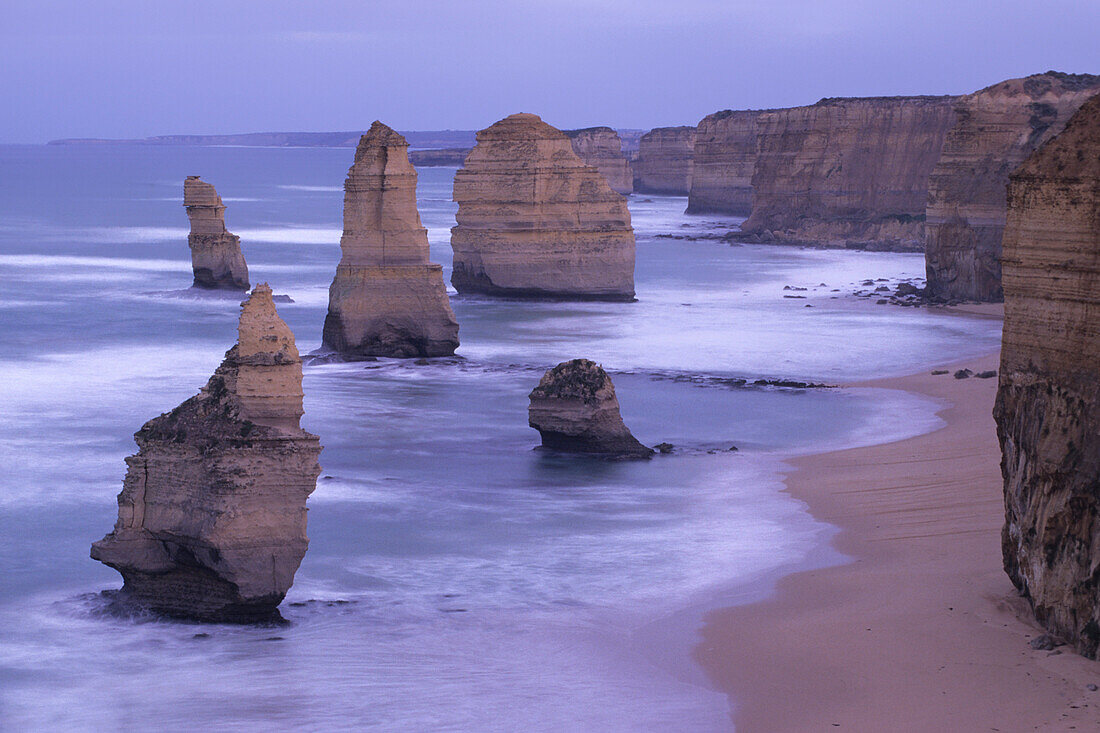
995	129
601	147
212	515
216	258
387	299
534	221
1048	405
664	163
722	163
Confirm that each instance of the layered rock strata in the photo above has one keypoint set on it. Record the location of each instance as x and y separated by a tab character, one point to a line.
723	161
664	163
847	172
575	409
601	147
995	129
387	299
535	221
212	514
216	258
1048	406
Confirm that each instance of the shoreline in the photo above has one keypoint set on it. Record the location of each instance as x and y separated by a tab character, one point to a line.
921	630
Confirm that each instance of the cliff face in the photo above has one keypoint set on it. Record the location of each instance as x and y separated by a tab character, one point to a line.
212	513
1048	407
722	163
386	298
848	172
535	221
995	129
601	147
664	161
216	258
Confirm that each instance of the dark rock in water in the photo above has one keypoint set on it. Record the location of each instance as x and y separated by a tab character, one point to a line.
986	375
937	372
1044	643
664	448
963	374
732	449
907	289
1091	687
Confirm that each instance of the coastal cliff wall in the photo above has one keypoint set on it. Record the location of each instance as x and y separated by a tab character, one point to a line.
1048	406
601	148
664	162
723	161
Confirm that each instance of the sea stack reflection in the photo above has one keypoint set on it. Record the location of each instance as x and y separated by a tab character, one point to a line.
216	258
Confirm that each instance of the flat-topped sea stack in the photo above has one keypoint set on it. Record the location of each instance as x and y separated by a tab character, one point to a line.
664	161
216	258
212	515
1048	406
995	130
535	222
387	299
575	410
723	162
601	147
849	172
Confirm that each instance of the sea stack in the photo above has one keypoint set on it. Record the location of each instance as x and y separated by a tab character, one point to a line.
212	515
995	130
216	258
1048	407
387	299
664	164
722	163
535	222
574	408
602	148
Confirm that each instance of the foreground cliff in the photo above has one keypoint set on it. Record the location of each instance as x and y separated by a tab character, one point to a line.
664	163
212	514
1048	406
849	172
386	298
216	258
995	129
602	148
723	161
535	221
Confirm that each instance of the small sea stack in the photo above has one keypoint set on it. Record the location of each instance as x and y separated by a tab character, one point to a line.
387	299
602	148
216	258
575	410
212	514
535	222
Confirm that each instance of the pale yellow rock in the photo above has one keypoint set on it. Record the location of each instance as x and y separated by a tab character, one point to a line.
665	161
216	258
602	148
723	160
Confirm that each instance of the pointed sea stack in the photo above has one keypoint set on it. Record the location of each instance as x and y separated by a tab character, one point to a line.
535	222
387	299
1048	407
216	257
212	515
574	408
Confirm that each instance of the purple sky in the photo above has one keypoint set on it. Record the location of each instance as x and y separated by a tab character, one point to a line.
130	68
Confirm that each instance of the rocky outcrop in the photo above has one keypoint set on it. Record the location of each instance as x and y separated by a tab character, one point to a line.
601	148
216	257
442	157
847	172
665	161
535	221
995	129
574	408
722	163
386	298
212	514
1048	407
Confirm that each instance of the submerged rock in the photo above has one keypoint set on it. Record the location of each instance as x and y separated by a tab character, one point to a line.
574	408
212	514
216	258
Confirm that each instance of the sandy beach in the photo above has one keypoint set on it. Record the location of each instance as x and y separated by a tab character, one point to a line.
922	630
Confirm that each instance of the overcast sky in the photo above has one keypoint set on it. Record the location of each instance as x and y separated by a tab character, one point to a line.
133	68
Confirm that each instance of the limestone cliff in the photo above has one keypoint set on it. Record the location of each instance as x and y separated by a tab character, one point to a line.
575	409
535	221
216	258
722	163
1048	406
664	161
601	148
386	298
212	515
847	172
995	129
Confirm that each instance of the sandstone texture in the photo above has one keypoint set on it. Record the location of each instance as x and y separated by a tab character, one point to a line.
574	408
723	162
216	258
849	172
212	514
664	161
387	299
534	221
1048	405
601	147
995	129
